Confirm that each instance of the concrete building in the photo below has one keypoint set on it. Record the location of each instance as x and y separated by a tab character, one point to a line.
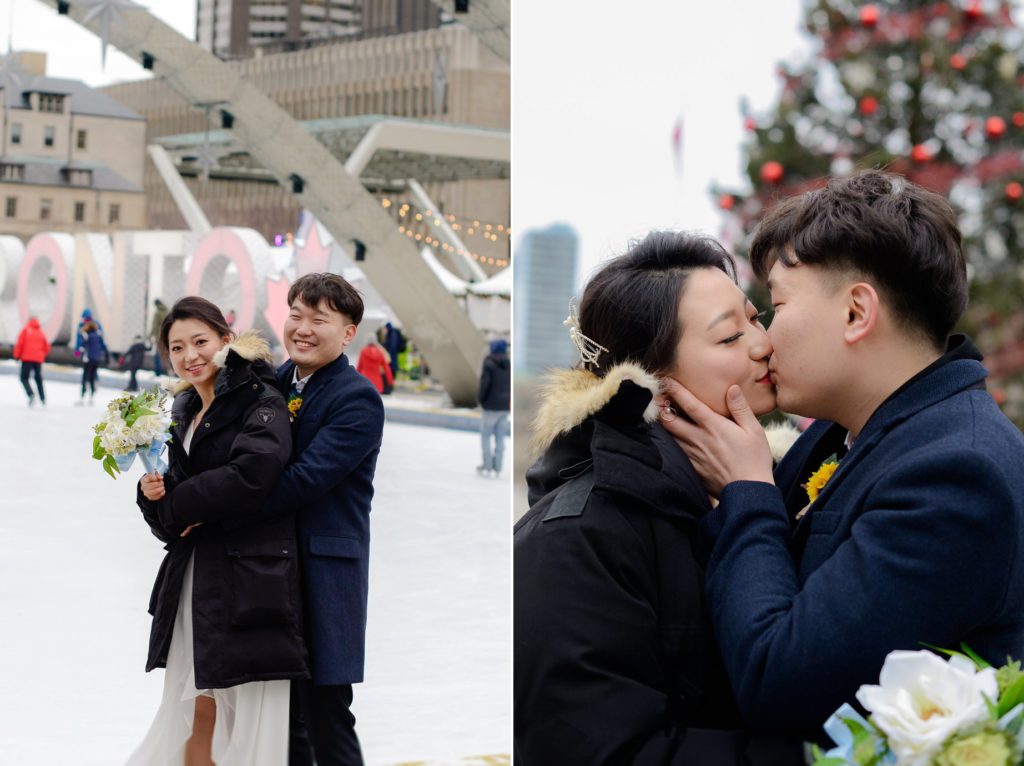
71	158
545	280
442	75
240	28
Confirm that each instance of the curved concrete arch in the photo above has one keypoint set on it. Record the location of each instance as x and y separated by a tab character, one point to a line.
439	328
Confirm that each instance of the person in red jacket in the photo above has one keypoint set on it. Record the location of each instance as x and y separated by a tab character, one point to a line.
375	365
32	348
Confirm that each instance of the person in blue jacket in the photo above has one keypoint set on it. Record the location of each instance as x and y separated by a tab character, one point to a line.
93	350
917	537
338	422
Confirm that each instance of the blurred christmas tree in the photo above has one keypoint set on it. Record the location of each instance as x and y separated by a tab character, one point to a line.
930	90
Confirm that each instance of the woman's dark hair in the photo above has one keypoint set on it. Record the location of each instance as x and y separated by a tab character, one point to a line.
192	307
339	294
631	306
902	237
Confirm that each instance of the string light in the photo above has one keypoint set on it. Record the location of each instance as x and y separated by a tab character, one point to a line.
470	226
427	217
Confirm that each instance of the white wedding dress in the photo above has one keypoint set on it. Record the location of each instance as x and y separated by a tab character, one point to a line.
252	719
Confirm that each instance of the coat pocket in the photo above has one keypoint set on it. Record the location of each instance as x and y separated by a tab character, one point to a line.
338	547
261	575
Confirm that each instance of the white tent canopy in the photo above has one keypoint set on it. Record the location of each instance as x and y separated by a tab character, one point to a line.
452	283
499	284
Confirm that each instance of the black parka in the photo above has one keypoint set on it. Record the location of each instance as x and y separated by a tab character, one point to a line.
246	599
615	660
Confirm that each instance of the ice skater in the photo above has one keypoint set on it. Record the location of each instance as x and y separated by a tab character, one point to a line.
31	349
494	396
373	362
132	359
93	350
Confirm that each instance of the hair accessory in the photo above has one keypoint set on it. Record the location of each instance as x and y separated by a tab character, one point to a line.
590	350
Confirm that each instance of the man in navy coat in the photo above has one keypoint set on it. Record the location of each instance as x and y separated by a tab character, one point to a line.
337	428
918	535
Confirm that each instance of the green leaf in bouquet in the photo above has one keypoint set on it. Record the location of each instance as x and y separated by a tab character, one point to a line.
1008	674
97	449
967	653
821	760
135	415
940	650
1012	697
865	743
974	656
110	466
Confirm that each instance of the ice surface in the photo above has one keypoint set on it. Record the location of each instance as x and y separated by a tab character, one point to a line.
78	563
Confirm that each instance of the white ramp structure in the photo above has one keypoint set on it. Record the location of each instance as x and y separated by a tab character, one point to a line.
431	318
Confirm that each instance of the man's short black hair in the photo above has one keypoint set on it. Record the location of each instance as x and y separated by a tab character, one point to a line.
339	294
902	238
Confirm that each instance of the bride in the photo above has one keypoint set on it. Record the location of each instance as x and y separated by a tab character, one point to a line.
226	604
615	661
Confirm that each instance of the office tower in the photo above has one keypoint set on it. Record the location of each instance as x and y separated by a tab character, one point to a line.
545	280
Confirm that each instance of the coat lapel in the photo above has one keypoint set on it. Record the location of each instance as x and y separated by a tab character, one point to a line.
316	384
946	380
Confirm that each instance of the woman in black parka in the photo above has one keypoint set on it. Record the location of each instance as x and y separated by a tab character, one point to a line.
226	605
615	661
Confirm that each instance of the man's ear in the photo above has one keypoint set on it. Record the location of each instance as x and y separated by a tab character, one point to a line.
863	307
350	333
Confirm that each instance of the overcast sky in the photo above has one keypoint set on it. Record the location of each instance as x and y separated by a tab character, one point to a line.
73	51
597	90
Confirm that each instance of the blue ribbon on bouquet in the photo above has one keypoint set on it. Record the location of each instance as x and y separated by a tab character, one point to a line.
149	455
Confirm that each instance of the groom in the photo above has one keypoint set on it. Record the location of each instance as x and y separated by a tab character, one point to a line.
918	536
337	428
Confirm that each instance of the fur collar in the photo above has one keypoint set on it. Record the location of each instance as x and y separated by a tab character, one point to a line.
568	397
250	346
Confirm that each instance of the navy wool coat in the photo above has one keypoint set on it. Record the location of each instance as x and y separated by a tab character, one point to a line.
918	537
336	438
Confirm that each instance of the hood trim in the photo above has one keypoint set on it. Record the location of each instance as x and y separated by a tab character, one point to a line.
250	346
569	397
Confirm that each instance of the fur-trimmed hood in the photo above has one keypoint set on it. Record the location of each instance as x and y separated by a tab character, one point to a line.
248	347
569	397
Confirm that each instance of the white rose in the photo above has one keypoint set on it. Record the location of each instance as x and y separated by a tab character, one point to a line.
922	699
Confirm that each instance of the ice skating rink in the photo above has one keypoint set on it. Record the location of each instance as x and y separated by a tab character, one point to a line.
78	562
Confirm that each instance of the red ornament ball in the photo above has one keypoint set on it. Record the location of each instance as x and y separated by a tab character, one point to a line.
869	16
1018	119
995	127
726	202
771	172
973	11
749	123
958	61
920	153
868	105
1014	191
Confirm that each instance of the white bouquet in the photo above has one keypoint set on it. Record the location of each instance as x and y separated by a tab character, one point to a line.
926	711
135	424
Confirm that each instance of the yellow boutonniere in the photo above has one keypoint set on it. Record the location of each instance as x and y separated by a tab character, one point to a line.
294	403
820	477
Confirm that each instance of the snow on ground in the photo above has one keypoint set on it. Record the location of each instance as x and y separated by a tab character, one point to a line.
78	563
